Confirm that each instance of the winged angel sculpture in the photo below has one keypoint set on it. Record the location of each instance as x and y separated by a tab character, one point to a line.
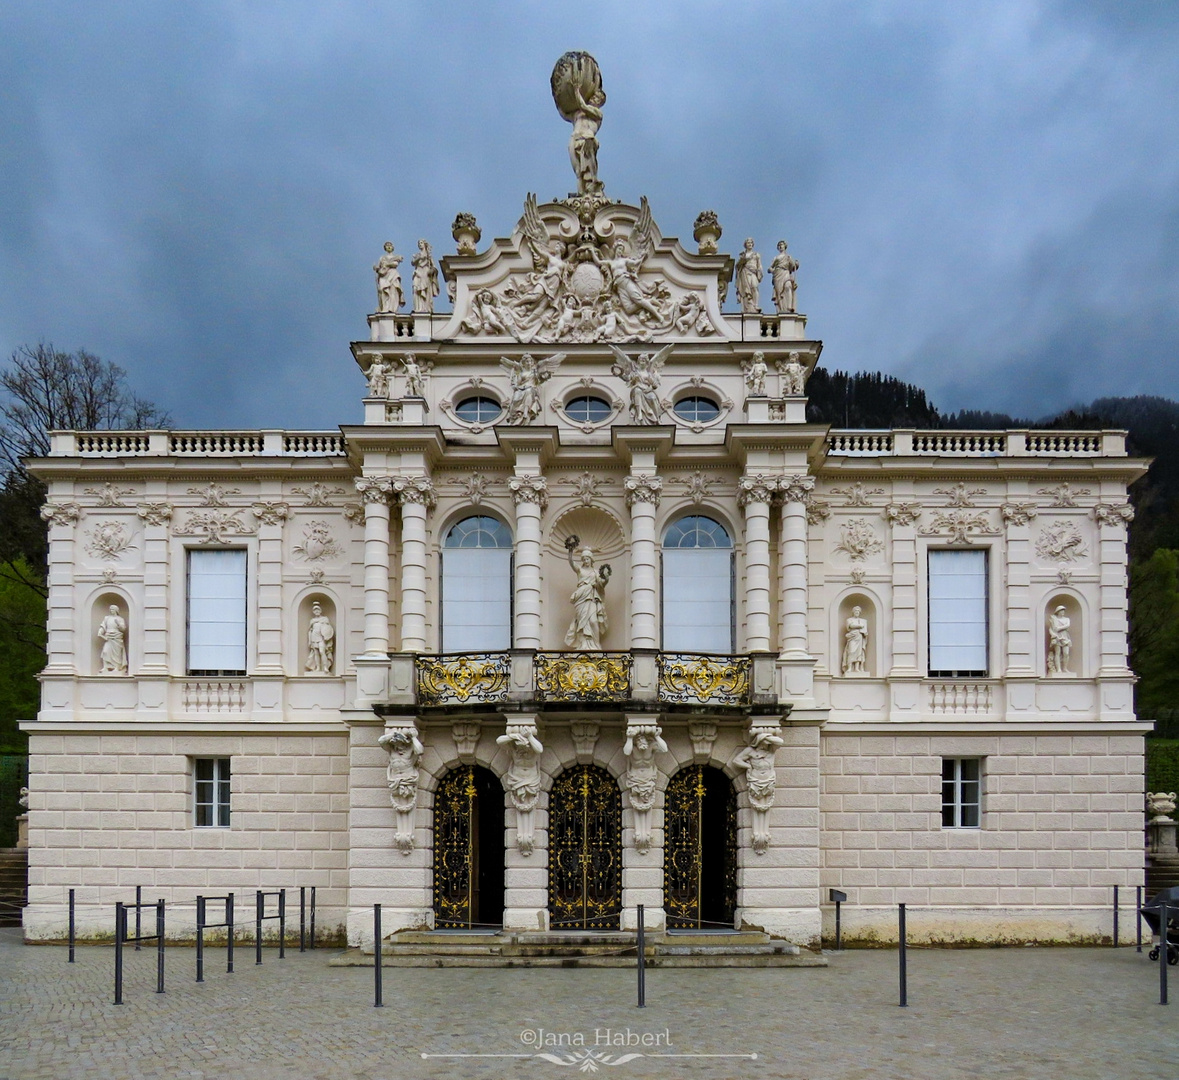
526	375
642	375
586	290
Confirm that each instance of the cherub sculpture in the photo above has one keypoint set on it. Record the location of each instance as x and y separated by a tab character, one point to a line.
415	376
378	379
642	375
526	375
755	374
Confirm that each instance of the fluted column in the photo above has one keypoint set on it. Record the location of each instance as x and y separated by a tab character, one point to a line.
642	496
756	492
416	496
792	555
375	491
530	493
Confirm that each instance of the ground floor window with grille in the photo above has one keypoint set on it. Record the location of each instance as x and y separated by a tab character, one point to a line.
211	793
961	792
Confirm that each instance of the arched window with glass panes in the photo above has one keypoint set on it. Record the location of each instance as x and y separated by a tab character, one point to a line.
477	586
697	586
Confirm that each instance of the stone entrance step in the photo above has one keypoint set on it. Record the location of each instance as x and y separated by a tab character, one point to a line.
582	949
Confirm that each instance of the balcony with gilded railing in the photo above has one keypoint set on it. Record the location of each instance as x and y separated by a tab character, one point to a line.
197	444
643	678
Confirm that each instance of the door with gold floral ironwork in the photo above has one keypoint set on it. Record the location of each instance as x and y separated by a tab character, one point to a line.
700	849
468	849
585	850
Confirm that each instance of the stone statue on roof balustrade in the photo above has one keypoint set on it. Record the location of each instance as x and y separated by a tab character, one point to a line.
577	92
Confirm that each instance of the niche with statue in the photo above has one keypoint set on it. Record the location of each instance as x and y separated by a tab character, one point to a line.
856	636
318	635
109	623
1063	657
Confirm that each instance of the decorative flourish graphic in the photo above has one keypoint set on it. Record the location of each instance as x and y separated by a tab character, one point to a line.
857	494
318	543
214	494
317	494
108	494
858	540
214	526
108	540
959	525
960	496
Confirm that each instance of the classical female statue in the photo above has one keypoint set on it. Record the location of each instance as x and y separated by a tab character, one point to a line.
1060	641
855	644
425	278
321	642
785	284
389	294
589	623
112	632
748	277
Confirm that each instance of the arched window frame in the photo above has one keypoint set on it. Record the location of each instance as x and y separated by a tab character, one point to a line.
698	532
489	533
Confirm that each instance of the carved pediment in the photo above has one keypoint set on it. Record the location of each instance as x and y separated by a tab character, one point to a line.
583	270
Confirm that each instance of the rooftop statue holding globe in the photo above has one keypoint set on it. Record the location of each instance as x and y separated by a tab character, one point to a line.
579	97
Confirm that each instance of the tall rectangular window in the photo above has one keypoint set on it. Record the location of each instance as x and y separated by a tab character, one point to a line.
211	793
697	600
958	613
217	612
961	792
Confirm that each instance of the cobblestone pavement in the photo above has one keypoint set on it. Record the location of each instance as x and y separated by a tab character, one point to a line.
1071	1014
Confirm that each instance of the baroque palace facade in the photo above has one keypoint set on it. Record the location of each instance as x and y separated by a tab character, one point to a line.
585	615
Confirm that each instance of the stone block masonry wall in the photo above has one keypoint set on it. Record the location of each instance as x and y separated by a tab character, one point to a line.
1061	825
109	812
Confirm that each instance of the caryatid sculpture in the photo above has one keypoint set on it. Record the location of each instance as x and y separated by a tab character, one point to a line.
405	751
579	97
522	780
643	742
757	759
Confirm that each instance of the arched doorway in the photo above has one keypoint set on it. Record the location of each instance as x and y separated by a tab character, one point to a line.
468	849
585	850
700	849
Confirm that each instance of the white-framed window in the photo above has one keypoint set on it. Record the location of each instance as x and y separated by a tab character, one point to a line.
958	613
210	793
216	612
697	586
961	793
477	586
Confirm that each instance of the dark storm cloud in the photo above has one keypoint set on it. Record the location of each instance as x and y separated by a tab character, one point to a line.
984	198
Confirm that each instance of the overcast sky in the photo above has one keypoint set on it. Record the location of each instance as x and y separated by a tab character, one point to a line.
984	197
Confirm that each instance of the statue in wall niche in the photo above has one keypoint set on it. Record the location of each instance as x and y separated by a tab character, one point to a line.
855	644
415	377
748	275
589	623
785	283
755	374
643	742
321	642
793	373
405	751
526	375
389	295
577	92
425	278
378	379
1060	641
643	375
112	632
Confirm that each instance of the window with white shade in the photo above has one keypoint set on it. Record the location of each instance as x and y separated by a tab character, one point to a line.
217	612
477	586
697	587
958	613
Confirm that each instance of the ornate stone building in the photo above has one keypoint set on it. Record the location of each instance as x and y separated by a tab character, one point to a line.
585	615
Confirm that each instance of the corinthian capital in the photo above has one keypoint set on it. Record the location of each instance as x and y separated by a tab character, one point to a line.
374	489
796	488
529	489
756	489
643	489
414	489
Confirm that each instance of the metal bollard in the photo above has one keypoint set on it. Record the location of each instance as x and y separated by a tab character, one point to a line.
120	934
229	932
377	1002
838	898
1138	916
138	909
904	973
642	961
159	946
71	959
1164	914
302	918
1115	934
282	924
313	916
200	941
258	928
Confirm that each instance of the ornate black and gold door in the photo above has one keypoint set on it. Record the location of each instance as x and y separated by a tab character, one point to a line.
585	850
700	849
468	849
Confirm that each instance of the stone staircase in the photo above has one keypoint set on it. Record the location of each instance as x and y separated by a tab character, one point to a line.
447	948
14	884
1162	872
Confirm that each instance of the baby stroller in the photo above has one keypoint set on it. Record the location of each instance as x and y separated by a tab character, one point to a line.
1152	913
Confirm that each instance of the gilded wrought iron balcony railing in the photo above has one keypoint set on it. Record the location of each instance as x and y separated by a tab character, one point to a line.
704	679
700	679
462	678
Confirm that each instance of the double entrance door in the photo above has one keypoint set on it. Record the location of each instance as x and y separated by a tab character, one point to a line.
585	850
